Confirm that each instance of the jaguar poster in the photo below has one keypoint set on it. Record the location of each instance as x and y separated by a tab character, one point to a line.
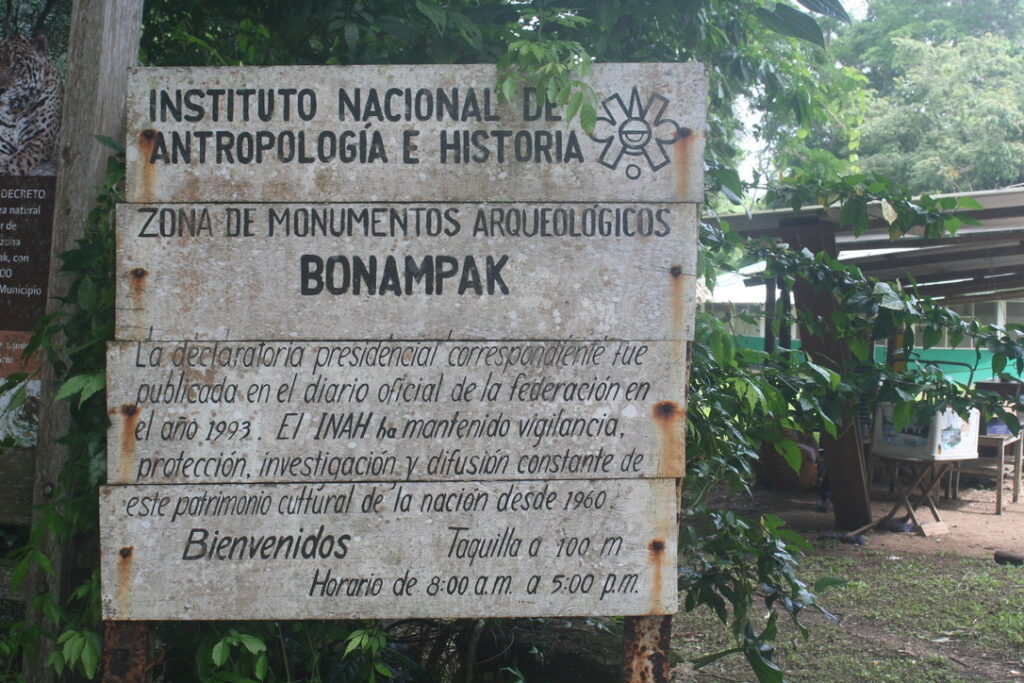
33	56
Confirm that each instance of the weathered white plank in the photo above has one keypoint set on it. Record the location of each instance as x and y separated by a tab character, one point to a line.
160	560
272	285
378	145
215	412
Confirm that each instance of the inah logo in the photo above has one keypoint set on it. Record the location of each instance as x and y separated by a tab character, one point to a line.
629	130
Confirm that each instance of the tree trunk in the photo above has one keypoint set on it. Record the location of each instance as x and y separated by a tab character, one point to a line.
104	42
844	454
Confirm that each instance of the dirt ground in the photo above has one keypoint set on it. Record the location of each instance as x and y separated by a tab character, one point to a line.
974	527
939	627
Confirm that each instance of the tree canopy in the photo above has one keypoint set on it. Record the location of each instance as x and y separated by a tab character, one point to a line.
953	121
942	107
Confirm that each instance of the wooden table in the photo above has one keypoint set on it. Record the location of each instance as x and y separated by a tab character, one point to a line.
996	467
921	491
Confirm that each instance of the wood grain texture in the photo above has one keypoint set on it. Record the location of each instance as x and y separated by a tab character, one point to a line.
103	44
18	468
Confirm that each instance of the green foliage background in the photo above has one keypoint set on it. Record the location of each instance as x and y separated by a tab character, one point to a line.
941	111
767	55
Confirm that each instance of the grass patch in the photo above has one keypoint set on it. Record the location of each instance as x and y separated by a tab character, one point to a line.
906	617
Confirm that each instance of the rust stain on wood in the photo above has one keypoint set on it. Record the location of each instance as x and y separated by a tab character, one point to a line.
123	595
656	556
137	283
126	652
670	419
147	139
677	301
129	419
683	151
647	642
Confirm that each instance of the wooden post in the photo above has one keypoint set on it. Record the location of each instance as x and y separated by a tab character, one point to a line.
785	328
843	454
647	649
769	315
647	640
104	42
126	646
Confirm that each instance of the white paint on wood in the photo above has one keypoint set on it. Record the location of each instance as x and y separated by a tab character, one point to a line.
272	285
577	241
179	552
214	412
390	144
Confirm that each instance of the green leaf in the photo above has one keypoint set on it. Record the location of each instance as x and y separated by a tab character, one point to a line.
112	143
260	668
508	89
219	654
764	668
351	35
854	215
44	562
85	384
562	97
252	643
826	582
998	363
87	294
793	539
789	22
434	13
902	414
575	102
91	655
789	450
890	299
588	118
859	348
56	661
1012	421
828	375
713	657
828	425
72	386
830	8
73	647
732	186
469	30
932	336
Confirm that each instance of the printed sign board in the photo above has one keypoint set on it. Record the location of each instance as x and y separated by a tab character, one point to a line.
476	271
410	134
390	346
241	412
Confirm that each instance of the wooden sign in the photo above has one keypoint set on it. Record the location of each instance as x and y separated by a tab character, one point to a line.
409	134
207	412
370	271
390	346
389	550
